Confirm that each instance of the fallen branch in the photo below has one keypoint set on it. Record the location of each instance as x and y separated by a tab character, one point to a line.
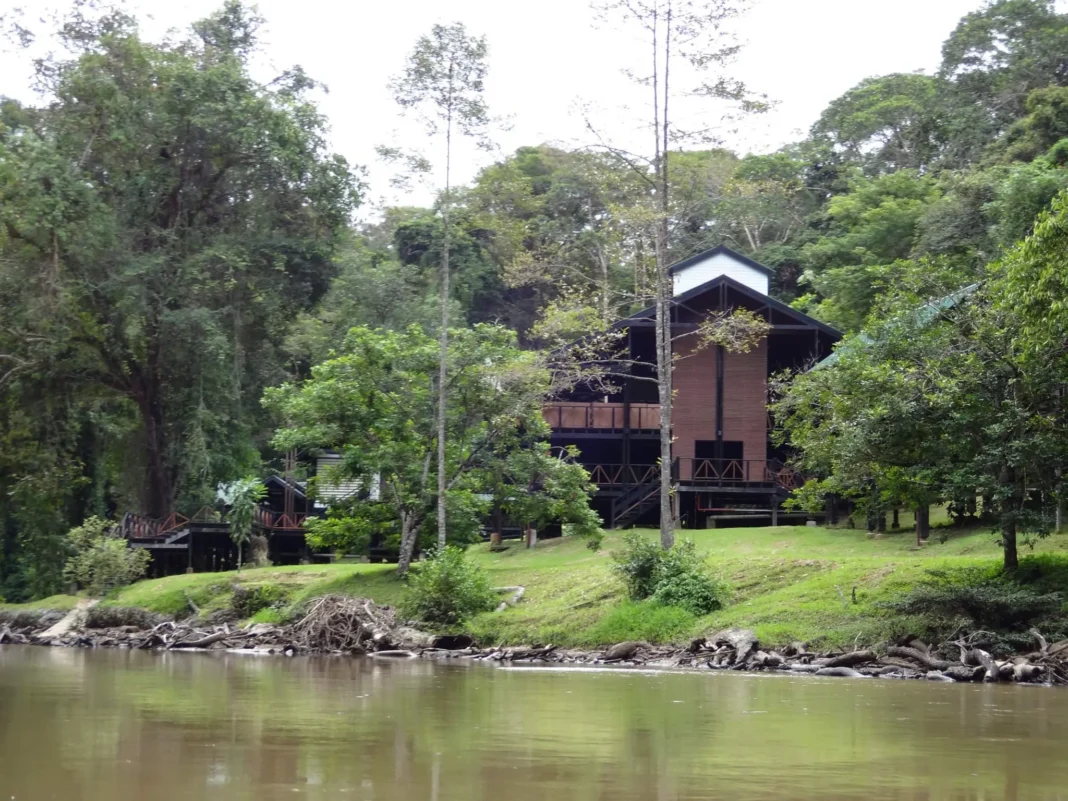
916	655
518	593
192	604
204	642
850	660
840	672
993	673
1043	646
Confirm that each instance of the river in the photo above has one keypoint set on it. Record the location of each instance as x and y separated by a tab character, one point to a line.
110	725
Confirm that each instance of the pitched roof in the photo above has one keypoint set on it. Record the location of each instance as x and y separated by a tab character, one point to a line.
776	305
923	316
296	486
722	250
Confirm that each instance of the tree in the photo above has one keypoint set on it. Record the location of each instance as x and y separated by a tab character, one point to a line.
869	232
949	399
163	216
242	498
557	221
371	288
375	405
102	561
1045	125
676	33
443	79
885	124
991	63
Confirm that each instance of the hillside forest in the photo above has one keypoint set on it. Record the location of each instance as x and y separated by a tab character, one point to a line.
178	251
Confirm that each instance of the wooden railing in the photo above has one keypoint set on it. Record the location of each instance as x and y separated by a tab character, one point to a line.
279	521
726	472
622	475
134	526
601	417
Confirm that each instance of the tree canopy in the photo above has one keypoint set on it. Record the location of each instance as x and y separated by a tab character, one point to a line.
177	239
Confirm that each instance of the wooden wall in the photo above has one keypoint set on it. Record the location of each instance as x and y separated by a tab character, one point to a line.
744	401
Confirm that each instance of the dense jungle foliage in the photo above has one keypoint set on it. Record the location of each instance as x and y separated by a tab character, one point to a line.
176	238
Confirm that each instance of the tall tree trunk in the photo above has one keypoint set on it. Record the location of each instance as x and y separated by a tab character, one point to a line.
407	544
1058	520
1009	508
444	355
1011	558
664	287
663	384
606	301
158	489
923	523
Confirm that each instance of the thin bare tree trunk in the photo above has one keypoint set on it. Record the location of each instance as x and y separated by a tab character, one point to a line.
407	546
1009	507
664	291
444	355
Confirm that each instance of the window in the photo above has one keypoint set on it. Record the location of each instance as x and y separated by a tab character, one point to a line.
710	449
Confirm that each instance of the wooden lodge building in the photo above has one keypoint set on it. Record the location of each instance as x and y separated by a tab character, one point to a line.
725	467
724	463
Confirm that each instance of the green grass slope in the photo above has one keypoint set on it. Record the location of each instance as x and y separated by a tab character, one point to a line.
823	586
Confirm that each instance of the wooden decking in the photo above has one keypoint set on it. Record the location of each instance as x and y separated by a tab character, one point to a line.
701	474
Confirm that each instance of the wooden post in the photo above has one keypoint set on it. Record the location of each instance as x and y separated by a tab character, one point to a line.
897	520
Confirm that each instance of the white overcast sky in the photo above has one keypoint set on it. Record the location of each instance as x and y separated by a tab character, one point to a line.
547	59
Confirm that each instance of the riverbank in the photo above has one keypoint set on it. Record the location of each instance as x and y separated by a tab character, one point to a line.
347	626
826	588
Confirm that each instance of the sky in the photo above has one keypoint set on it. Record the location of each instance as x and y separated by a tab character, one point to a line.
552	68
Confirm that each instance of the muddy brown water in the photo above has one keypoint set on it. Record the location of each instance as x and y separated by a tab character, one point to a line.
108	725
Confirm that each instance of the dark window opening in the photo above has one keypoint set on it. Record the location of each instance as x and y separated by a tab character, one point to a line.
711	449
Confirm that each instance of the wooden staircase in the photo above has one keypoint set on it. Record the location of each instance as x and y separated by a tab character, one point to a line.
635	501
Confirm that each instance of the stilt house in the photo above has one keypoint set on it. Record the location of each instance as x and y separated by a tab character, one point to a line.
724	463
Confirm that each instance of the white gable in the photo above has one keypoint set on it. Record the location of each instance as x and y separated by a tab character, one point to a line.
717	264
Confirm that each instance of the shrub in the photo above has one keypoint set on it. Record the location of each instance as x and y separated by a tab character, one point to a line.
101	561
697	593
447	588
637	563
977	598
678	577
242	497
258	550
247	601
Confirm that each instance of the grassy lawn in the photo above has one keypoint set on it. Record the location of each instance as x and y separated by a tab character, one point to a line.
820	585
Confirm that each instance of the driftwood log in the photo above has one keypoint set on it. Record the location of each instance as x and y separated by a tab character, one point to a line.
851	660
621	651
916	655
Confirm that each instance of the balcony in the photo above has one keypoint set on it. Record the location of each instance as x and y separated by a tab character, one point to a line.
736	472
601	418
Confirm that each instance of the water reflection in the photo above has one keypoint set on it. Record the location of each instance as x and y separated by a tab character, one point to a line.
122	725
